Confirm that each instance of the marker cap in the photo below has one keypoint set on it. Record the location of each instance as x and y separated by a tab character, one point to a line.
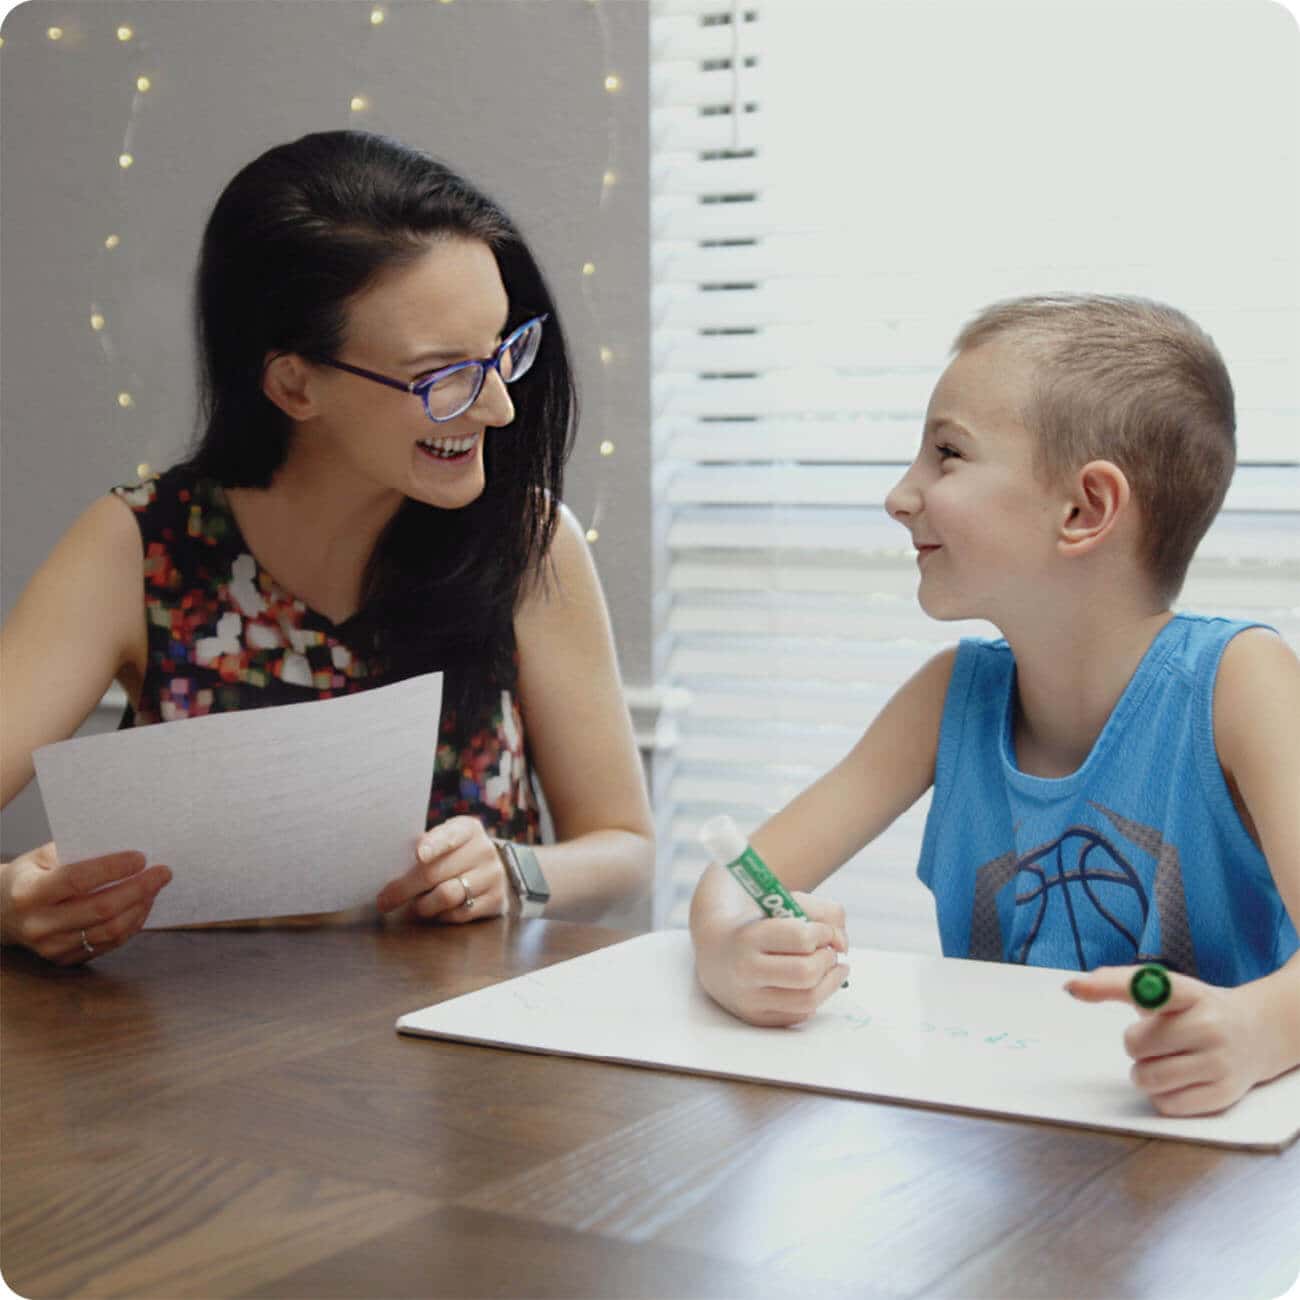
1150	986
723	841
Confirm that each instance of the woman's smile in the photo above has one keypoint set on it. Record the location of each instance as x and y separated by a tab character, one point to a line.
449	451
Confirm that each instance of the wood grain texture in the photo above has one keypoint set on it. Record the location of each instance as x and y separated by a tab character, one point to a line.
232	1113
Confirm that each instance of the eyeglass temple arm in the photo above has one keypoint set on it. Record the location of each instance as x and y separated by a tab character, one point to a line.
370	374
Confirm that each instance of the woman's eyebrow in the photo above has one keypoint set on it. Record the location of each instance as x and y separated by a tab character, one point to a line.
448	355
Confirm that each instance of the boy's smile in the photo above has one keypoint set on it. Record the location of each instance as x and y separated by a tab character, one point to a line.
981	520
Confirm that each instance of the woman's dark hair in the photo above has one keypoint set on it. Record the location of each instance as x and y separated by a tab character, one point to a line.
293	238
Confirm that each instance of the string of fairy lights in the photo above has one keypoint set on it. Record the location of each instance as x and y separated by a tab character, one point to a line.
73	31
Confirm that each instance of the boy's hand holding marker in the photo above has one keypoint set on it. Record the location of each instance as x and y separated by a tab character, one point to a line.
773	971
1196	1048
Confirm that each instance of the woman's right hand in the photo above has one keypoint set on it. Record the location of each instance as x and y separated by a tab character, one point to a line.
72	912
775	971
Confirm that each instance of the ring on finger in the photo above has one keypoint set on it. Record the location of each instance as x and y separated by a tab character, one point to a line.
468	902
86	944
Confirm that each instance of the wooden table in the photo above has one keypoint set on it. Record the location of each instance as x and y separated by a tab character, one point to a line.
232	1113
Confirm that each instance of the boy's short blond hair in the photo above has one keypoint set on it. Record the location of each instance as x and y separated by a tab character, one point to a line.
1137	383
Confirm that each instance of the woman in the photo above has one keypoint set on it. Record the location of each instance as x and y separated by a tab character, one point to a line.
388	406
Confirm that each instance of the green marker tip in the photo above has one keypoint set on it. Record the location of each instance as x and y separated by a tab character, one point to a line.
1150	986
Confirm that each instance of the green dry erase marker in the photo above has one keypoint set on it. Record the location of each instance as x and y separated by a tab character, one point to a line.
1150	986
720	836
728	846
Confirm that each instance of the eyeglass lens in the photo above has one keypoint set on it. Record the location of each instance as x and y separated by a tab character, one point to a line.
457	392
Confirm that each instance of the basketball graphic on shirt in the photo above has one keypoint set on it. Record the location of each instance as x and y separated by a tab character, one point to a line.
1089	897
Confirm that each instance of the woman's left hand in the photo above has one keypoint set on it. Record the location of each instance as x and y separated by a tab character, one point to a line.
457	877
1199	1053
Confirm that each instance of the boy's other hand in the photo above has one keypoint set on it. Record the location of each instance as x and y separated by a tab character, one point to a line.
1199	1053
777	971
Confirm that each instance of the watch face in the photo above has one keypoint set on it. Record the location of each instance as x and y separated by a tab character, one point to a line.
534	881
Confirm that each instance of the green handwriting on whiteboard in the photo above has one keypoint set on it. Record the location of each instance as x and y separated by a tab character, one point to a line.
976	1037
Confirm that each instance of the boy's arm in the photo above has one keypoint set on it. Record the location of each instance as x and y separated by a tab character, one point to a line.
1208	1046
878	780
779	971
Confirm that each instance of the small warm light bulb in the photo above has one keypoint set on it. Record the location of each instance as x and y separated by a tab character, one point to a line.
376	17
124	400
592	535
143	84
606	355
358	103
144	470
54	33
613	82
124	33
112	241
589	268
609	179
96	321
607	448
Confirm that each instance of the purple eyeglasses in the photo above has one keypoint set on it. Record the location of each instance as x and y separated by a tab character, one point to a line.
451	391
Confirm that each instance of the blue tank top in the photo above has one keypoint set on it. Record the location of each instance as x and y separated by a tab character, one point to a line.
1139	855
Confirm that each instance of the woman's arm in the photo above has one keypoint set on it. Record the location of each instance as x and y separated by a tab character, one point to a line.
777	972
580	735
77	626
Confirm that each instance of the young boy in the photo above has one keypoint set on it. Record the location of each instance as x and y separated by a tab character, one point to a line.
1113	783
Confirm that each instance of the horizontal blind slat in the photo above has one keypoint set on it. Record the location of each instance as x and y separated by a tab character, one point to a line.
1263	440
678	127
1271	539
781	483
702	85
683	38
700	9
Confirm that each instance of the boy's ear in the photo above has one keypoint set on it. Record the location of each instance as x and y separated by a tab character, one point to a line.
1098	497
286	380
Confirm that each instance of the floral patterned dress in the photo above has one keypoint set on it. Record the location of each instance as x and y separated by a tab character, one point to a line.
223	636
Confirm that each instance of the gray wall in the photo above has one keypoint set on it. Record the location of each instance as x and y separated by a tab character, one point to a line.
511	92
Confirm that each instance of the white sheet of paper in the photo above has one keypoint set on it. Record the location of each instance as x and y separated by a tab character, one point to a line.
298	808
933	1031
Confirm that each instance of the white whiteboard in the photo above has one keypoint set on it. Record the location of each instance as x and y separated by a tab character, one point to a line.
932	1031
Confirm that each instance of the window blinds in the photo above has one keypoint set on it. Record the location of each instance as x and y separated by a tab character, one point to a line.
811	267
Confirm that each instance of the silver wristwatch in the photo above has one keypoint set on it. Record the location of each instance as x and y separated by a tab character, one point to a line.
526	876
